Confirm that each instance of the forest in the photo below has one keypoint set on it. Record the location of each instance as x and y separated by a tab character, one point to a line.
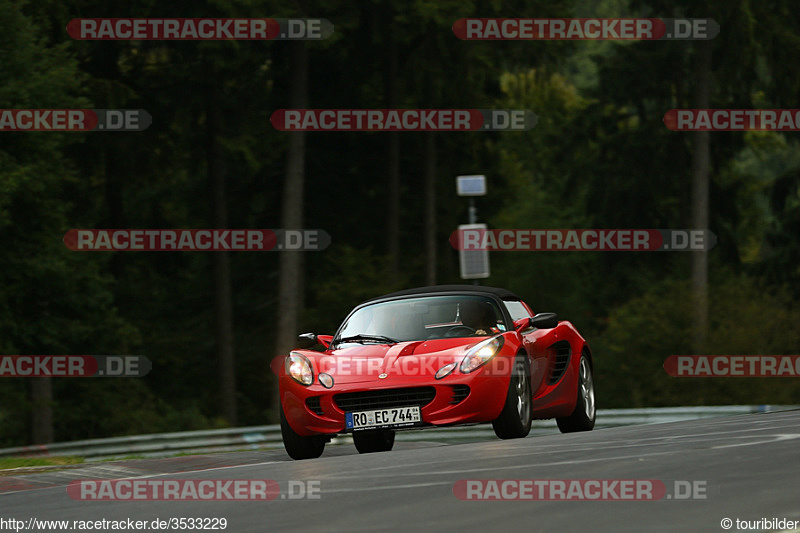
600	156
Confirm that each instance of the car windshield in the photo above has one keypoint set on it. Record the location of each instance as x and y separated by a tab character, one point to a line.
429	317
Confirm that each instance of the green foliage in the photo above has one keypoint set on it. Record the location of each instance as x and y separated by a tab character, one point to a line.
119	406
22	462
600	157
746	319
350	276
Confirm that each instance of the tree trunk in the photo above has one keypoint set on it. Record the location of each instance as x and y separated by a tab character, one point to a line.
393	171
41	397
116	162
430	207
291	291
223	306
700	207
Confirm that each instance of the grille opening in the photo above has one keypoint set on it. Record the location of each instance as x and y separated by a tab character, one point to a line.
381	399
313	404
460	393
562	350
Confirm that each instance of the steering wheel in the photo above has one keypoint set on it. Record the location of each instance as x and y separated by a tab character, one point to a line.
457	331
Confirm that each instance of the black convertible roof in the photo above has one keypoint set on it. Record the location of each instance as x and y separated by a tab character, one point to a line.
503	294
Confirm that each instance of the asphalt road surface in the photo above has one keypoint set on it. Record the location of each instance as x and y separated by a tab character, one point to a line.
739	467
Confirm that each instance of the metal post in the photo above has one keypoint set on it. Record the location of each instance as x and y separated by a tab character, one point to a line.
473	219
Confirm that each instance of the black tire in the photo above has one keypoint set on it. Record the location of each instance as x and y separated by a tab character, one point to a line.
583	417
514	421
297	446
374	440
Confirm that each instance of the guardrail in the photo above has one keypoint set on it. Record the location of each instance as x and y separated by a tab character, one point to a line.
269	437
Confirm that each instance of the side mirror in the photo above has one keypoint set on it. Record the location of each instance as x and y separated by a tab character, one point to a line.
307	340
325	340
522	323
544	320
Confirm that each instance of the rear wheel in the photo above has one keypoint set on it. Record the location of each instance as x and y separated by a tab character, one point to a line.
583	417
298	446
374	440
515	420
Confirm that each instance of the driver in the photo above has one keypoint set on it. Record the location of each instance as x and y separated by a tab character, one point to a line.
479	316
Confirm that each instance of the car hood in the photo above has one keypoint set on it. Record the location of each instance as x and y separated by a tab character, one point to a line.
414	360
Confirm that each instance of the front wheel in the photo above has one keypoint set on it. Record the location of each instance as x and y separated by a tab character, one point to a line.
374	440
298	446
514	421
583	417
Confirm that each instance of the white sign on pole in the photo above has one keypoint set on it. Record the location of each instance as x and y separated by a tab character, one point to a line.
471	185
474	263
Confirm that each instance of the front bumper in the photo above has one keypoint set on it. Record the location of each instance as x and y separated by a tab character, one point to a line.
456	399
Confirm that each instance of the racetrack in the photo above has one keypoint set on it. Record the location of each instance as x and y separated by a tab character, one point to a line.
749	465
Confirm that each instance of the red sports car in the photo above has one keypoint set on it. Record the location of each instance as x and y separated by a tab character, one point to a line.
435	356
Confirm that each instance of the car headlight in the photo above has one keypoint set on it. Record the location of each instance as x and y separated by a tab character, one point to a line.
479	355
299	367
326	380
445	370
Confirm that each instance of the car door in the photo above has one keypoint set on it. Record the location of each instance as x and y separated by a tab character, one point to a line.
538	356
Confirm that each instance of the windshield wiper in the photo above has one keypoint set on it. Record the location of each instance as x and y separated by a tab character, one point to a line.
364	338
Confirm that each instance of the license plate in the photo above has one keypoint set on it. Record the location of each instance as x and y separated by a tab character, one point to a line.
395	417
